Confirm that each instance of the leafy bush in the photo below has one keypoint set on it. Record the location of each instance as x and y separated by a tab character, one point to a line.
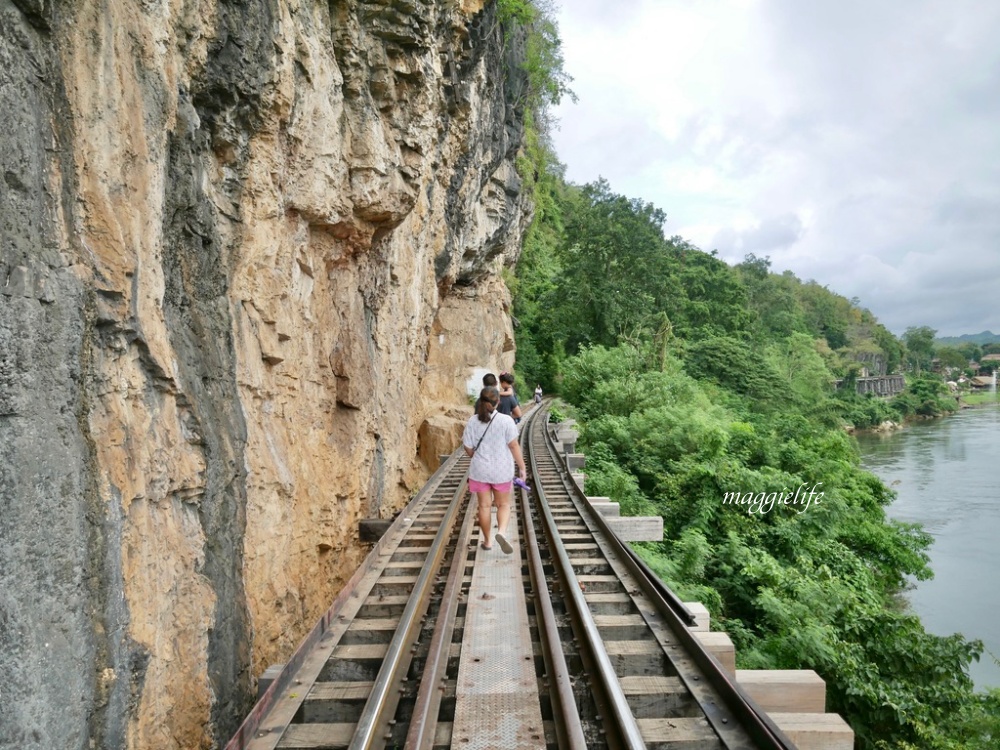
926	395
736	365
863	411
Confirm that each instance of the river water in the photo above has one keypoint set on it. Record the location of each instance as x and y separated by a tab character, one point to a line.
945	473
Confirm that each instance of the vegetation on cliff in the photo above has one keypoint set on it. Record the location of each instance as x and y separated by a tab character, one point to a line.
695	383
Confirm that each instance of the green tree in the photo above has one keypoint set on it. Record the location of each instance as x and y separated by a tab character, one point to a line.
919	347
889	344
971	351
538	82
952	357
806	380
827	314
771	299
736	365
613	266
705	298
692	379
926	395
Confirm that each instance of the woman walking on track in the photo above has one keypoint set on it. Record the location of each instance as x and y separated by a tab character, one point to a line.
490	438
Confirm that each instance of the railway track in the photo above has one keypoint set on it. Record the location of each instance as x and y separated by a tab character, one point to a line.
568	643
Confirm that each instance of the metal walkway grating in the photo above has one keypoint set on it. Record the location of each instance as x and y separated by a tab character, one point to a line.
497	704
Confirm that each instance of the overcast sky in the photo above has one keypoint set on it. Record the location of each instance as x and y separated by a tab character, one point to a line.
854	142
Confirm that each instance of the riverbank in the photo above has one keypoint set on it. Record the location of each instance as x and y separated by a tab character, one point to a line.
887	427
973	400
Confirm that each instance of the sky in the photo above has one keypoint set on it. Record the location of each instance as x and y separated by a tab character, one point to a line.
853	142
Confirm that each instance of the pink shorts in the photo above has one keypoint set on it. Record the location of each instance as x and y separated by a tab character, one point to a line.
475	486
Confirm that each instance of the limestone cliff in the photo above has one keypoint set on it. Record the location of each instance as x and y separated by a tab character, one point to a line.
250	253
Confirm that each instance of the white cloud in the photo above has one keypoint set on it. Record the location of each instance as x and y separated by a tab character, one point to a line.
855	143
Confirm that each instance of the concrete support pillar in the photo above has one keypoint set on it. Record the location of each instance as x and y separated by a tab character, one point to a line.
799	691
719	645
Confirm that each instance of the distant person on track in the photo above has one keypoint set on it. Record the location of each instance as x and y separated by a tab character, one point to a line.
490	438
508	399
538	394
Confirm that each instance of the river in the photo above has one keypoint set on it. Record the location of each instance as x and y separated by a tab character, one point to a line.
945	474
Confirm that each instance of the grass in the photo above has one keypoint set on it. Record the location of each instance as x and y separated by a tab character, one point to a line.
978	399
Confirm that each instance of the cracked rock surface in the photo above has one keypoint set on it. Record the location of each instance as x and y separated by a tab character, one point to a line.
250	255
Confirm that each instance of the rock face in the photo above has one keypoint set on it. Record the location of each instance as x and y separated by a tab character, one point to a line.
250	253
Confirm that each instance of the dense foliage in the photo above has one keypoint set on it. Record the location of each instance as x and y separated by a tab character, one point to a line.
795	585
692	379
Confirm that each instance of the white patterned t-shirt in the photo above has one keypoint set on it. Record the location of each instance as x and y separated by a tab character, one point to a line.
492	462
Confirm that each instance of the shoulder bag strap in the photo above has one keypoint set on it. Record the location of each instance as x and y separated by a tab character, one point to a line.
484	433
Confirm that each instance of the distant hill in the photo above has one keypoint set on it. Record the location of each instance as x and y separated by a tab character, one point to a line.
986	337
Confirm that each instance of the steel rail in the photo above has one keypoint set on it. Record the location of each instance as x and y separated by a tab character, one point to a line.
261	728
748	715
626	730
566	714
423	722
733	715
758	723
384	696
673	601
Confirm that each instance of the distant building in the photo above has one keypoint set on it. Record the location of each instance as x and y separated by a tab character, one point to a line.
989	363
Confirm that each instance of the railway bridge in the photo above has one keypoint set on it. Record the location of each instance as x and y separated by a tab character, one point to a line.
569	642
